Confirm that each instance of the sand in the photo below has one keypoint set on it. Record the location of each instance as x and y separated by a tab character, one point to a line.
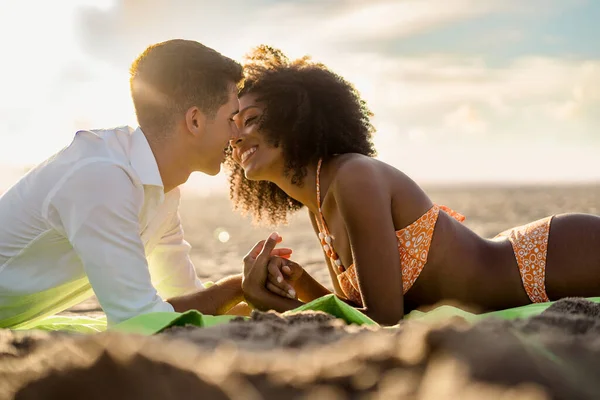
312	355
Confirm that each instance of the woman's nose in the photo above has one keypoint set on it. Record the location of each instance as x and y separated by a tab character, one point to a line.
235	142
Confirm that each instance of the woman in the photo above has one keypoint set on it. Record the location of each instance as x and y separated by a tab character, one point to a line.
305	140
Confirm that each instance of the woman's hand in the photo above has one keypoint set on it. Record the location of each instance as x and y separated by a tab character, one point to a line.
282	275
254	281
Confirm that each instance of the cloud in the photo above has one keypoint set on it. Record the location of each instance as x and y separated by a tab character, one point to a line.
433	102
120	32
398	19
419	98
585	95
417	85
465	118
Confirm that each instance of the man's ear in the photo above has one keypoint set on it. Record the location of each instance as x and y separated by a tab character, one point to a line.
195	121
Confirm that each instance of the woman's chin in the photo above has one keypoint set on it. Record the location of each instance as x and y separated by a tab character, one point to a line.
251	174
258	170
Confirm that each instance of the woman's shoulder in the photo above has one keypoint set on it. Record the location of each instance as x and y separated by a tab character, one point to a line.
351	167
357	172
352	163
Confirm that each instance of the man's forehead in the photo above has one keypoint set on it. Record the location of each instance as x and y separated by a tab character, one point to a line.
234	103
235	106
233	90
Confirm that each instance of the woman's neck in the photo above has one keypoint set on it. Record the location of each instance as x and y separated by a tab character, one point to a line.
305	194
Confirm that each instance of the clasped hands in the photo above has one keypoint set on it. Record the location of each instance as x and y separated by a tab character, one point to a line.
269	271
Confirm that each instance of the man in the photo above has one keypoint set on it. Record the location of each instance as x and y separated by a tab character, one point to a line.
101	216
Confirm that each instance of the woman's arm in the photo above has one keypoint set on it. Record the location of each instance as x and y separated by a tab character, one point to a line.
309	289
262	299
288	279
305	287
364	202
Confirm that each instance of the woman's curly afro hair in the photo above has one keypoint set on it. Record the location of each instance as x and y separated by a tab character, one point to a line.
311	113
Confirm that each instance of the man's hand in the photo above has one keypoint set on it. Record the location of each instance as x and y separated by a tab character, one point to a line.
256	261
251	257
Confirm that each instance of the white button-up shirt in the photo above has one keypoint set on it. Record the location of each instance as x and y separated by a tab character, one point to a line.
93	218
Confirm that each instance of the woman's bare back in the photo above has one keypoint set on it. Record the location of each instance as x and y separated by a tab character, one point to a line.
467	268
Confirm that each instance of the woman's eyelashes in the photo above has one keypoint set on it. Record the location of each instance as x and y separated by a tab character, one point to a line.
249	120
243	123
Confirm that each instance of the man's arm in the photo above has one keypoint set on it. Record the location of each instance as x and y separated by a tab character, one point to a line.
97	209
171	267
214	300
175	277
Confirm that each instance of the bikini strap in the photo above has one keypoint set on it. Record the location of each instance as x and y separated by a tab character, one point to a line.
324	235
319	184
323	226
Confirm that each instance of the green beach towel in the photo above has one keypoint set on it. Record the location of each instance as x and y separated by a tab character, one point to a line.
67	323
444	312
152	323
148	324
331	304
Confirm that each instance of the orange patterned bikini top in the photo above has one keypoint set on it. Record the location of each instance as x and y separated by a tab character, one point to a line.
413	245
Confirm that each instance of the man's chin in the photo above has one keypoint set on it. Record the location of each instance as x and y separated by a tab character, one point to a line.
214	171
211	170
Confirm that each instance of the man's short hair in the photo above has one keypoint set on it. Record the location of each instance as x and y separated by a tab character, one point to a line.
170	77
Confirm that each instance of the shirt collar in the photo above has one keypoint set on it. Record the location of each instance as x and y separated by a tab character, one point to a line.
143	161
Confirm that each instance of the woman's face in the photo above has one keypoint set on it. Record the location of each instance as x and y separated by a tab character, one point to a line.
259	159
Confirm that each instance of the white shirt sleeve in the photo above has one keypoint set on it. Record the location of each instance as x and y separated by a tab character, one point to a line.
98	208
172	269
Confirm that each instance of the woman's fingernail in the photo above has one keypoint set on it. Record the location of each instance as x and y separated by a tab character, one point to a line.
274	235
292	293
279	279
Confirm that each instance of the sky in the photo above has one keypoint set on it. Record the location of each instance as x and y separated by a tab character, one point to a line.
463	91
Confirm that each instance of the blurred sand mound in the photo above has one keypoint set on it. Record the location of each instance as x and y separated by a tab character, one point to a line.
314	356
311	355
